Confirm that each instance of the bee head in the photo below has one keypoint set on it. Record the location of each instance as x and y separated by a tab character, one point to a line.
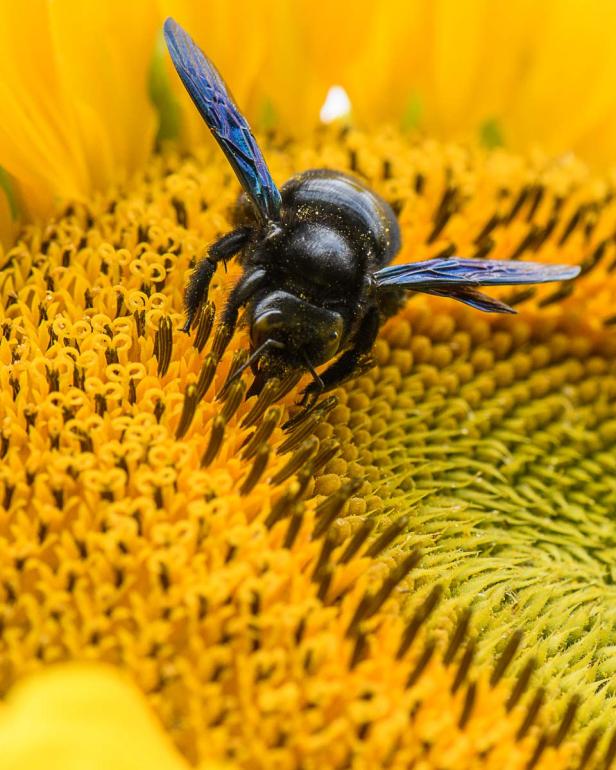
302	330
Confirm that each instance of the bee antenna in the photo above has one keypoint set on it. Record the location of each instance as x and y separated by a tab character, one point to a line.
269	343
312	370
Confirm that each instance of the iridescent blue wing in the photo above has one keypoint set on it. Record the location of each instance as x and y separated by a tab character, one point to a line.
459	278
229	127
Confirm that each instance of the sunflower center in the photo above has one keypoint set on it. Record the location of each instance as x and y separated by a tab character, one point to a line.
495	440
251	580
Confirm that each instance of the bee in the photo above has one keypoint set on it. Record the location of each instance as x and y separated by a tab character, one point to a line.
317	281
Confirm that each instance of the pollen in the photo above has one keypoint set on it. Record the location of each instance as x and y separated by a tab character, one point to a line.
418	572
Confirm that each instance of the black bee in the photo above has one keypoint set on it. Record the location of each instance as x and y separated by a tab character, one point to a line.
314	253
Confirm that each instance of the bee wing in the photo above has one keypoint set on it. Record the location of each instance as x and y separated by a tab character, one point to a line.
433	273
473	298
227	124
459	278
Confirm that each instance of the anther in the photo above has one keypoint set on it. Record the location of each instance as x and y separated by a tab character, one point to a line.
188	411
610	753
395	577
360	649
258	467
280	508
326	551
420	616
132	391
222	337
572	224
8	496
386	537
565	290
422	663
239	359
447	206
159	410
589	748
464	667
295	522
302	479
324	584
296	438
356	541
567	721
457	637
593	260
163	345
506	657
520	295
447	252
329	508
527	241
521	684
119	304
484	249
303	422
206	375
541	746
181	214
264	399
288	382
531	714
546	232
518	203
53	379
263	432
205	323
298	459
139	316
361	612
215	442
233	399
467	706
485	231
538	193
327	451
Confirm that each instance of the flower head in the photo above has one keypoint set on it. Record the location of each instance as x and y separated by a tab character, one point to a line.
419	571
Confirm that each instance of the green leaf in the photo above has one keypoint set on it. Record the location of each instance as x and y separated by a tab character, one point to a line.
267	117
413	114
162	96
7	186
491	134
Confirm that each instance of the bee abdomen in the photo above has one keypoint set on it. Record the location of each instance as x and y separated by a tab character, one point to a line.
343	202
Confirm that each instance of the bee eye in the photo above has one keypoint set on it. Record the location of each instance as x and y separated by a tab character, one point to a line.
334	335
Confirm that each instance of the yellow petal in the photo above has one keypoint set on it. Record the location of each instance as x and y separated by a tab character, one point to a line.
79	717
73	83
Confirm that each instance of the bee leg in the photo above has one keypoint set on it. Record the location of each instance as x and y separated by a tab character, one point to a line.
242	292
344	367
199	283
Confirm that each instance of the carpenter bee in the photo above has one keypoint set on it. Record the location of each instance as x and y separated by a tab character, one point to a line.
316	286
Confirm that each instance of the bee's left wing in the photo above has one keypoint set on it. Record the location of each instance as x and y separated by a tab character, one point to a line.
229	127
459	278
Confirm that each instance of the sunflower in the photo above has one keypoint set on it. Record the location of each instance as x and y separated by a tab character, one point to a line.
420	571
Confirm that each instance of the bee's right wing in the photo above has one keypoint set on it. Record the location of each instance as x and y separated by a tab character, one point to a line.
459	278
227	124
